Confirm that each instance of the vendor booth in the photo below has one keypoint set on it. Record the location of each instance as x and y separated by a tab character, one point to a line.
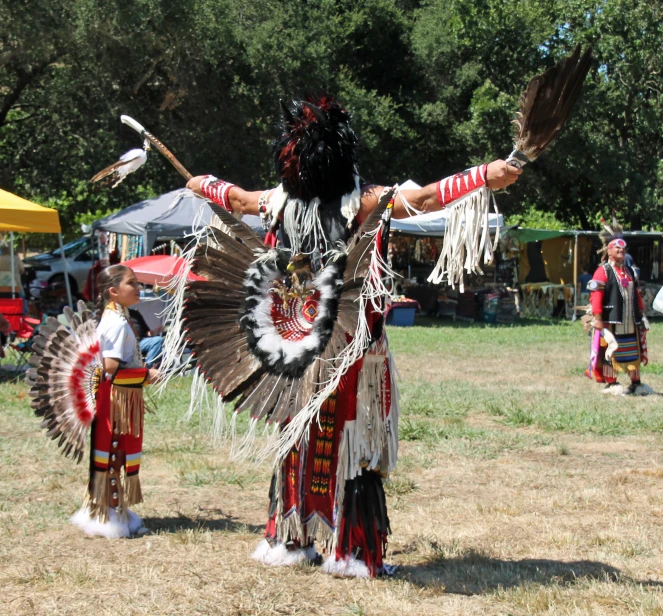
414	248
135	230
555	265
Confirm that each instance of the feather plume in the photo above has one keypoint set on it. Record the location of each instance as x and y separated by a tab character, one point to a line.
609	232
546	105
128	163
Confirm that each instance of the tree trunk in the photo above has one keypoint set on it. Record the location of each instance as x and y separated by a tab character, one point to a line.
25	77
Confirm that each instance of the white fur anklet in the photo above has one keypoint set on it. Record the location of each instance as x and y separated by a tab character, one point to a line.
280	556
346	567
116	527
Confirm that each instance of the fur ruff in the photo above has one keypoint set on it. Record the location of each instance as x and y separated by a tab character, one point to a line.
614	390
280	556
116	527
346	567
643	390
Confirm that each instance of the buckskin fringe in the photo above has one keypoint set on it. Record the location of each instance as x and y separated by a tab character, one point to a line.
466	239
127	409
132	491
98	498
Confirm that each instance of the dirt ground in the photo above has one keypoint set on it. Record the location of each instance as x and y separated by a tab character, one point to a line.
488	517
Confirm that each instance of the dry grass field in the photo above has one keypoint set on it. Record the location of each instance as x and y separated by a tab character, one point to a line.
520	490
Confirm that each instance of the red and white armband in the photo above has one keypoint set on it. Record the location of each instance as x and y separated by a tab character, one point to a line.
217	191
458	186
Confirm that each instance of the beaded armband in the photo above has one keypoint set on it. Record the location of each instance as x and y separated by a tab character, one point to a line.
217	190
457	186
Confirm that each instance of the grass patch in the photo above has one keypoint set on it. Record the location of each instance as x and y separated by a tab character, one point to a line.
520	489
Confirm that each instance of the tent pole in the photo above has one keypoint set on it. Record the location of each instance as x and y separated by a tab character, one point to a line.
576	290
11	262
66	272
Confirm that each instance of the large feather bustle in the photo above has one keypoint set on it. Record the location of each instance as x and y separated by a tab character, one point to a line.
546	105
64	373
224	353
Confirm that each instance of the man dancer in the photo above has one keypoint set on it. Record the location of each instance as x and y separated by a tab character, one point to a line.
327	486
620	326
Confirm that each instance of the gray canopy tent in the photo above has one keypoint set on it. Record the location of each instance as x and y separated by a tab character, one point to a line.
169	216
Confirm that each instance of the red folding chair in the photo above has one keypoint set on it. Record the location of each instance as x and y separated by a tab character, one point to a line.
21	327
14	311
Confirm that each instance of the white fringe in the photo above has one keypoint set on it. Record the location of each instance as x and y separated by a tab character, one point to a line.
346	567
175	342
280	556
117	527
242	448
301	221
466	239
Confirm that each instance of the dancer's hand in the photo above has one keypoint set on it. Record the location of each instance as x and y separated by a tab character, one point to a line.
194	184
598	324
500	175
153	375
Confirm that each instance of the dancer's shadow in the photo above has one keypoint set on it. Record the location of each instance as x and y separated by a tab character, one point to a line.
475	573
210	520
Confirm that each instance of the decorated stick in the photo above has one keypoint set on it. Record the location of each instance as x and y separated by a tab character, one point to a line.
134	159
545	106
160	147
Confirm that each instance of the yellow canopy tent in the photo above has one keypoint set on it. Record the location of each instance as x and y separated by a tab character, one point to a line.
23	216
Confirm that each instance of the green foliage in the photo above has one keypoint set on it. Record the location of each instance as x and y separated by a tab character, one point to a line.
432	84
536	219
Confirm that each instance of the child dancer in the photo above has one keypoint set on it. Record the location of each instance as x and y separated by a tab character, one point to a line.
117	428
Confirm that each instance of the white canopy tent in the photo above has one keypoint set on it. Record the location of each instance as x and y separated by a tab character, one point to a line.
432	224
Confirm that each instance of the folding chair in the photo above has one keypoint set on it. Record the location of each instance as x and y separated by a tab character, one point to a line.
21	333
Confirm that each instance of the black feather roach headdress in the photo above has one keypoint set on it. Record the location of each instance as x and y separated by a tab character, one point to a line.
315	152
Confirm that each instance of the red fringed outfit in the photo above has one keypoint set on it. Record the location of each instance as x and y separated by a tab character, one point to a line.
117	444
617	298
294	334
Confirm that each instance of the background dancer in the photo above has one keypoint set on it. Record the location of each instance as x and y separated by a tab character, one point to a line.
619	336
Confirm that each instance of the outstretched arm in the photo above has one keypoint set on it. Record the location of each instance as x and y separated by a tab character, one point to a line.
430	198
229	196
439	195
